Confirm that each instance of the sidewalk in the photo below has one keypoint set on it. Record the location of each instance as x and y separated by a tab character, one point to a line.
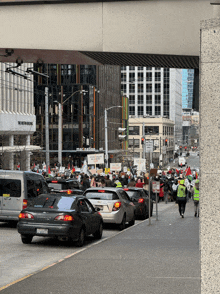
145	259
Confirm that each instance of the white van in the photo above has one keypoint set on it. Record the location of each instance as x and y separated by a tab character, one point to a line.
17	189
182	161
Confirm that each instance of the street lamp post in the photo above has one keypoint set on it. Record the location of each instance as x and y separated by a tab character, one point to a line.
106	134
60	133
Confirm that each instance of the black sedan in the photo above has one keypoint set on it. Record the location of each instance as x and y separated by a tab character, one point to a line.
66	217
140	199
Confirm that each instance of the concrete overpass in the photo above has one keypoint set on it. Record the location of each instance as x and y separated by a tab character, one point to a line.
163	33
155	33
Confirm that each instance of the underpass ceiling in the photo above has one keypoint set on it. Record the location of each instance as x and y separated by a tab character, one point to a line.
100	58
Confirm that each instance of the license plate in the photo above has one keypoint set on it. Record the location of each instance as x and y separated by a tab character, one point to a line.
42	231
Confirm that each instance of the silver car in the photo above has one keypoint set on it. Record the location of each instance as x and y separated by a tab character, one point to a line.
114	205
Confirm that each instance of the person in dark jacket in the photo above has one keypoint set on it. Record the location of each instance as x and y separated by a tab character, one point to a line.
108	182
85	183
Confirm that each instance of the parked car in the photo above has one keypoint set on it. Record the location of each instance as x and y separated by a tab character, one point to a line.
17	190
114	204
68	186
140	199
66	217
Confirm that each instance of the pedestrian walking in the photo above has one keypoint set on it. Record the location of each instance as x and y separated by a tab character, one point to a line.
196	198
181	198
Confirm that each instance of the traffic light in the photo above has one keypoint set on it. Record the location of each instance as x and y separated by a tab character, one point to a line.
142	140
166	142
185	147
180	147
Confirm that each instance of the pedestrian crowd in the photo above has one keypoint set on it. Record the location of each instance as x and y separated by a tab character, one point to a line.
175	185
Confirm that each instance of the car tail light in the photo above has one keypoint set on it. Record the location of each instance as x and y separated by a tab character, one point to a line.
117	205
65	218
54	181
126	189
141	200
69	192
101	191
26	215
25	202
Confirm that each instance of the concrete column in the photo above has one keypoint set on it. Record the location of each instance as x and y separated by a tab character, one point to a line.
25	155
210	156
11	154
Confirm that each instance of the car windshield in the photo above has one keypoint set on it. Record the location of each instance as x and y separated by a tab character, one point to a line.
133	194
63	186
102	195
61	203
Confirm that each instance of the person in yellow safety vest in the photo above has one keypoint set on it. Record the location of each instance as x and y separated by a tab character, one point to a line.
196	198
181	198
119	185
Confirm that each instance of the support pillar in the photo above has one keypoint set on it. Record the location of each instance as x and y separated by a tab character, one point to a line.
25	155
210	155
11	154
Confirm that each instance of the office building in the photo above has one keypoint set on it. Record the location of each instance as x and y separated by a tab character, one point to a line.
17	116
154	92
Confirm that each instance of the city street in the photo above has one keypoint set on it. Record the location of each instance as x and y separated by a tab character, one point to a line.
171	255
18	260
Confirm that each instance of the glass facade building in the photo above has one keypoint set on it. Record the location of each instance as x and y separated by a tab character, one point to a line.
187	88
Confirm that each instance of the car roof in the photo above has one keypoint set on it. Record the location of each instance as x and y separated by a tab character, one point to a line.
104	188
59	195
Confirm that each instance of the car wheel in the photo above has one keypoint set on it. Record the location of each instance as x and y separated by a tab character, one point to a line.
98	233
81	239
122	224
26	239
132	222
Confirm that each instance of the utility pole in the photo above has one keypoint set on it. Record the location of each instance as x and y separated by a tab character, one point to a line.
144	149
106	140
47	130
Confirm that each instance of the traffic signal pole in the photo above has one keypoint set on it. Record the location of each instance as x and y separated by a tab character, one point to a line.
144	144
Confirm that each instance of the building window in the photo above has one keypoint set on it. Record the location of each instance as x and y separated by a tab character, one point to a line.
123	67
157	99
149	88
157	110
140	99
149	99
140	67
140	110
151	130
131	99
134	130
149	110
131	77
123	88
123	77
148	68
157	76
140	88
157	88
131	88
131	110
133	143
131	67
140	77
163	130
149	76
157	68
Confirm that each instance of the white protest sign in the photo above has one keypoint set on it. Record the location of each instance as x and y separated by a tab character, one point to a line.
115	166
95	158
140	163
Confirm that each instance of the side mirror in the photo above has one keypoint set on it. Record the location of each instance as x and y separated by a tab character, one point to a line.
97	209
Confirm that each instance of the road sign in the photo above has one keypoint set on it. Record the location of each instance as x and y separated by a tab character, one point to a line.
156	187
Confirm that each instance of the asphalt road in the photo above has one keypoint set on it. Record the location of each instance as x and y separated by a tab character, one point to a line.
161	258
